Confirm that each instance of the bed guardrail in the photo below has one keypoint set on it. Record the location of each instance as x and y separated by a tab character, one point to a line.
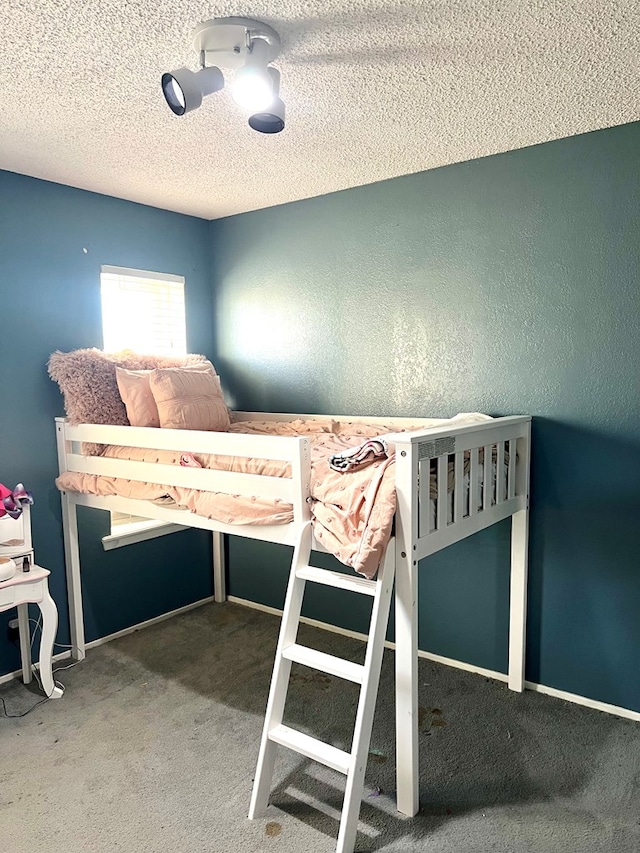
466	478
294	451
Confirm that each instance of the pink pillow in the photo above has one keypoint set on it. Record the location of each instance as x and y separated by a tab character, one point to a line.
135	390
87	379
189	399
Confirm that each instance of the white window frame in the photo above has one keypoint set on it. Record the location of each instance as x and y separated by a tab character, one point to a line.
140	529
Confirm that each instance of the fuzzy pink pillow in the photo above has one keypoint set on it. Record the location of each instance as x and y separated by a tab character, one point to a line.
87	380
189	399
135	391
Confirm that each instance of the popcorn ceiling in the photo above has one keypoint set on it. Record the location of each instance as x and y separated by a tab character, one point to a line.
372	91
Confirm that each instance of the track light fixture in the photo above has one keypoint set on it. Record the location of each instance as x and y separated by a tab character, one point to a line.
245	46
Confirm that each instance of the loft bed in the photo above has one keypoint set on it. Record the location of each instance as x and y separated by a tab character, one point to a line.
152	437
439	478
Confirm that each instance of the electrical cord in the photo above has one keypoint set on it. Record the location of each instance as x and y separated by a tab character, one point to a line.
24	713
36	675
38	625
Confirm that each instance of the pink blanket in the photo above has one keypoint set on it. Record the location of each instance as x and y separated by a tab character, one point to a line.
352	511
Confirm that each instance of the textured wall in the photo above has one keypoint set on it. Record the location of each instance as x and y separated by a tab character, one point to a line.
50	299
506	285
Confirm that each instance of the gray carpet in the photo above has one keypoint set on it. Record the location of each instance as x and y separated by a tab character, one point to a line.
153	748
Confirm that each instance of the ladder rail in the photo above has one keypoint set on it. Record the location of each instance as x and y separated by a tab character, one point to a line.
280	678
367	704
353	763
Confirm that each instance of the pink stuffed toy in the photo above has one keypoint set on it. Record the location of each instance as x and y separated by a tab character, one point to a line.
12	502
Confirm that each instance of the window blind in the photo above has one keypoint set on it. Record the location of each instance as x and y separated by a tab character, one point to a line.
142	311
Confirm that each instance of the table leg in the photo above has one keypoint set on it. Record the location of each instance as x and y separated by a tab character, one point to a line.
25	641
49	629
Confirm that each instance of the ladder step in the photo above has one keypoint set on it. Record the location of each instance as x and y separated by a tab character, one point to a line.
353	583
315	749
325	663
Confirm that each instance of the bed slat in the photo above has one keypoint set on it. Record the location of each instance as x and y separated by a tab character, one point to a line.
487	485
500	474
195	441
458	487
204	479
424	497
442	482
474	481
511	475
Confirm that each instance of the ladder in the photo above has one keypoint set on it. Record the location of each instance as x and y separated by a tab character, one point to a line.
353	764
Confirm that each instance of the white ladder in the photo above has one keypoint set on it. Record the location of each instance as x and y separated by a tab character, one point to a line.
353	764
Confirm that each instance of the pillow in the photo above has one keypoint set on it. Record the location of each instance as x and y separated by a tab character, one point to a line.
87	380
135	391
189	399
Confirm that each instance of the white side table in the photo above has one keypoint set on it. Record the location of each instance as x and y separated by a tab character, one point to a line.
33	588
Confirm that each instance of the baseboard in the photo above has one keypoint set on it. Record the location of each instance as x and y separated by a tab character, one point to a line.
594	704
148	623
9	676
616	710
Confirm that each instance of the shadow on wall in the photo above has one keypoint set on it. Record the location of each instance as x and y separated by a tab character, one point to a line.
249	391
585	541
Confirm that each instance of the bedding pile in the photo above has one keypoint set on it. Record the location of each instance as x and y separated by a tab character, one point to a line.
352	509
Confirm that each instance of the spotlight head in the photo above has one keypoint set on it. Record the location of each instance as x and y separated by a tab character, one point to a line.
271	118
269	121
252	87
184	89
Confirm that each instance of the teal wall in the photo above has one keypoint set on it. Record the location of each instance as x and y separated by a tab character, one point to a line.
50	299
506	285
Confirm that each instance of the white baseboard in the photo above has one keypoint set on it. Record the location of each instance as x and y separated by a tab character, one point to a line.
583	700
148	623
9	676
594	704
487	673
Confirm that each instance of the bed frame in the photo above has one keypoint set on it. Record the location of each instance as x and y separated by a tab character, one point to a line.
420	457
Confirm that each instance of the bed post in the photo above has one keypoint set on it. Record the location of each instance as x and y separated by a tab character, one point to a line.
406	633
301	475
519	568
71	553
219	574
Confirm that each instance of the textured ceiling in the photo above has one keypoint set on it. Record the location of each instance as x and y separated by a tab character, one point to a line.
373	90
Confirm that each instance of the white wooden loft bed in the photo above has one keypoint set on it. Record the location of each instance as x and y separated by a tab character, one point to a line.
455	460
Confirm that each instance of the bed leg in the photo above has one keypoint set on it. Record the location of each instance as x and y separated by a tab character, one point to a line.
518	599
406	683
219	573
74	584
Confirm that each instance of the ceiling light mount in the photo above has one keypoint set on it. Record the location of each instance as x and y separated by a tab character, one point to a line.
244	45
228	41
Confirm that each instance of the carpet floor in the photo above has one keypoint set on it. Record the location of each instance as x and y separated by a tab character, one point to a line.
153	748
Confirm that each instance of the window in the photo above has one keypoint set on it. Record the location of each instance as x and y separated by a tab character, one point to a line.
145	312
